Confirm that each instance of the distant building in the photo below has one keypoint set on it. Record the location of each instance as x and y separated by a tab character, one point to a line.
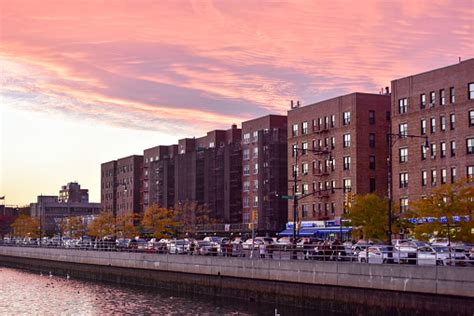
72	192
207	171
121	185
158	176
438	104
350	133
49	210
264	172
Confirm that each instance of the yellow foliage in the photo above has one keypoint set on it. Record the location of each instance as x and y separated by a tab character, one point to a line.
76	227
25	226
125	225
160	221
103	225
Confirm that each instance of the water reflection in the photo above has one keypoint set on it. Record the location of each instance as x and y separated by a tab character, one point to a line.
29	293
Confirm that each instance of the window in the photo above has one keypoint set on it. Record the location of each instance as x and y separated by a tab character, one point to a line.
452	95
246	170
442	149
255	201
470	172
333	208
295	171
305	188
333	186
443	176
294	130
432	125
453	148
423	152
245	154
402	105
246	138
255	152
372	185
304	168
347	140
452	121
403	129
304	211
471	118
304	148
333	164
346	118
315	125
294	150
372	162
304	128
326	122
422	101
255	136
372	140
433	178
470	146
326	142
255	168
404	180
433	151
423	127
333	142
246	186
453	174
442	123
403	205
471	91
372	117
442	97
424	178
403	155
347	185
246	202
432	98
333	120
347	163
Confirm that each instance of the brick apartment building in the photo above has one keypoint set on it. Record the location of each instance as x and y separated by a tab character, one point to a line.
352	131
264	172
121	185
158	176
72	192
438	104
208	171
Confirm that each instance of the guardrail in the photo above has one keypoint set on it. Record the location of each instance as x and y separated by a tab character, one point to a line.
361	253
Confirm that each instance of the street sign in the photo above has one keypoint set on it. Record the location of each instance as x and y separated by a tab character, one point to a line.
288	197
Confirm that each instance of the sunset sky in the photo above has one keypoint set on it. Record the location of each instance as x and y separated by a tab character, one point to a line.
85	82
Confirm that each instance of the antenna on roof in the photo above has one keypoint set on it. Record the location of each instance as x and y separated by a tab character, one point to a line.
459	58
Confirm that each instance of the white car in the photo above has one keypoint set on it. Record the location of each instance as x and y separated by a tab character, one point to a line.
374	254
440	255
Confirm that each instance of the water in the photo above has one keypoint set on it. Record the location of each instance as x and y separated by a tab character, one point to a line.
30	293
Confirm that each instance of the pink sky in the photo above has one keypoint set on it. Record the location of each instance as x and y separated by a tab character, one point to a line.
180	68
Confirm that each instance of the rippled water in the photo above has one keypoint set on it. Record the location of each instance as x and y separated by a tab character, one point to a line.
30	293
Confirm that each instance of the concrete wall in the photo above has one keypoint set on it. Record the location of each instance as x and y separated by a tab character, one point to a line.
453	281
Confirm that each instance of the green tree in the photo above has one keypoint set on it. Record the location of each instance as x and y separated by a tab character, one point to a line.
25	226
103	225
448	200
369	217
162	222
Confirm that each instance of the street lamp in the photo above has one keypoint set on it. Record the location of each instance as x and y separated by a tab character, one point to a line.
392	138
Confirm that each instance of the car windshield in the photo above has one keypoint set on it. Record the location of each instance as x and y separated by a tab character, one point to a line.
441	249
204	243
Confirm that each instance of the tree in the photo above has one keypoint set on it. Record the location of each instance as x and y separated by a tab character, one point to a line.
160	221
125	225
25	226
447	202
369	217
103	225
192	215
5	225
76	227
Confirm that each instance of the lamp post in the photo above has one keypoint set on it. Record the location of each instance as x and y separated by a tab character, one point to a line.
391	142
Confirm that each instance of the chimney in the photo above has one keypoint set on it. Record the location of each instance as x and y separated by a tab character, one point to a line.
297	104
234	126
387	90
291	104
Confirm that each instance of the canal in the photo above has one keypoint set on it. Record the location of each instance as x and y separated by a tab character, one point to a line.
30	293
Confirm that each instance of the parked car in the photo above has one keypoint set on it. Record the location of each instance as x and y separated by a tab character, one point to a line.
180	246
374	254
205	248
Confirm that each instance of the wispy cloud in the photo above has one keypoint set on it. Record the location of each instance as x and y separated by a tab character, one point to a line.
199	65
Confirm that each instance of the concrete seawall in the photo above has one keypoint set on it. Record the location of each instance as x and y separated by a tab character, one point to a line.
300	283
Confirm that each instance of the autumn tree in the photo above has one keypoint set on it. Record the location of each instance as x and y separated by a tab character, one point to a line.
160	221
126	227
369	217
103	225
76	227
447	202
25	226
192	215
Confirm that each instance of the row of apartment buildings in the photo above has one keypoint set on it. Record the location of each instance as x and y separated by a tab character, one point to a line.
319	152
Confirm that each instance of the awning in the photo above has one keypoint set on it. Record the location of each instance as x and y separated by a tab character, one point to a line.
286	232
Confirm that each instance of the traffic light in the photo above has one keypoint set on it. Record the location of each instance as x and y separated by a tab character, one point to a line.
298	226
346	199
